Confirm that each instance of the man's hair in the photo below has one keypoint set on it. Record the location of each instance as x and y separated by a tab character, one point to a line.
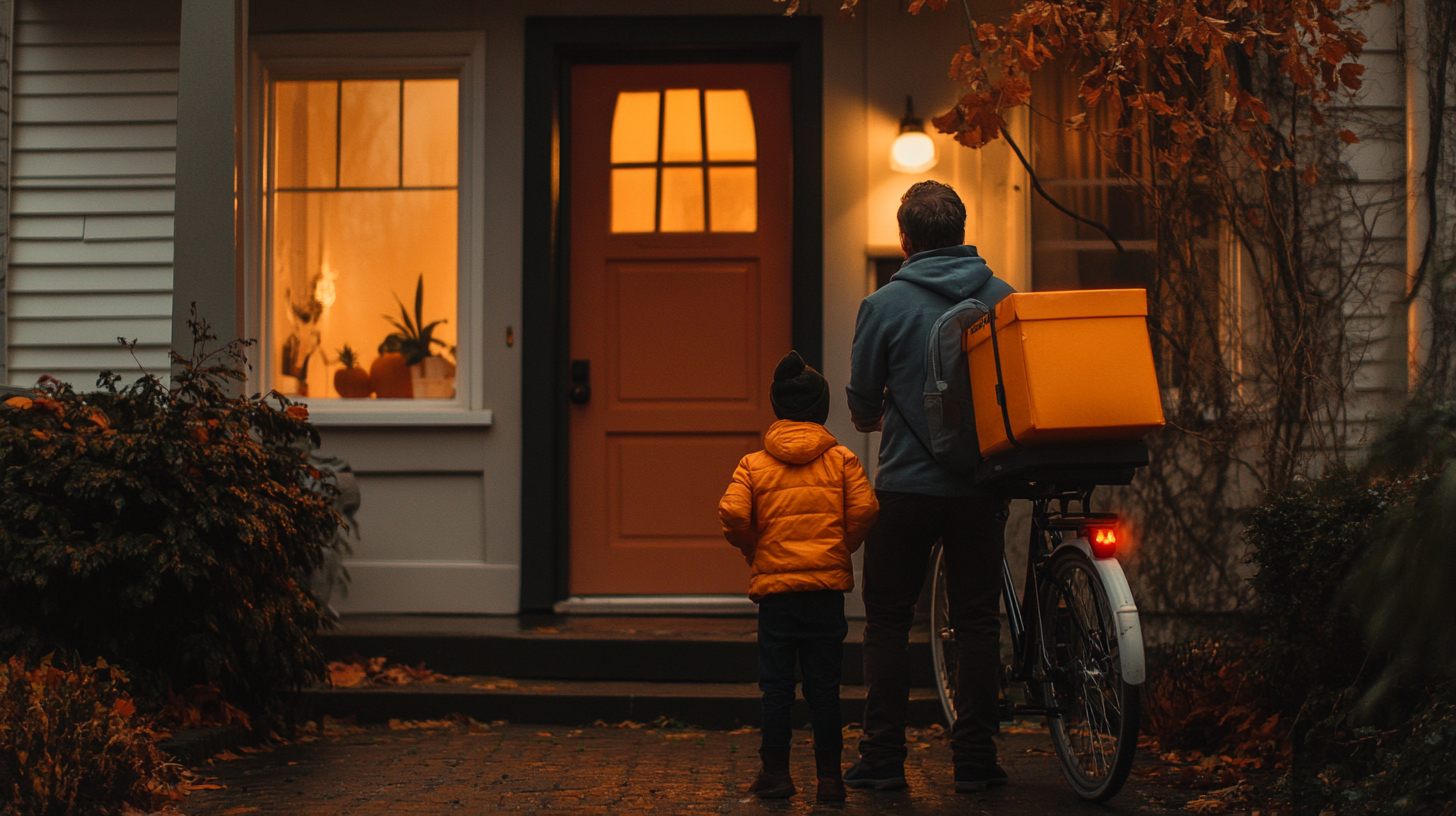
932	216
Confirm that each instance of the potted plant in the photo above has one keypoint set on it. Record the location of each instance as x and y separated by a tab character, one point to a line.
429	376
351	380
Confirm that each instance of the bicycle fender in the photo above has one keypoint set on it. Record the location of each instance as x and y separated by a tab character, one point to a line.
1119	595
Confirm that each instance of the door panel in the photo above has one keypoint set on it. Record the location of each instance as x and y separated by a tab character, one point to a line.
681	301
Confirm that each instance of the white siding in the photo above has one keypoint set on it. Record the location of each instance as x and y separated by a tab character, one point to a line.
92	190
1376	184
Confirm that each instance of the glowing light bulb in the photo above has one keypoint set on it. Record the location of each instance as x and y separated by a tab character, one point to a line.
912	152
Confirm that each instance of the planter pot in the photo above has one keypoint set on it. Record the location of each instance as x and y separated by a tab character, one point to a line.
433	378
390	377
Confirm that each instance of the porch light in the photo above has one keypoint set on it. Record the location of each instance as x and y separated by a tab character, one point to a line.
913	150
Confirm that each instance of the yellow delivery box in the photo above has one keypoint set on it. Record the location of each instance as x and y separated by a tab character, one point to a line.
1074	368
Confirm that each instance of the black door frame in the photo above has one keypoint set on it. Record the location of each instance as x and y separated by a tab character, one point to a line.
553	45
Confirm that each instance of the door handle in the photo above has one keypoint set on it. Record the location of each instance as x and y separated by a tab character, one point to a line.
580	381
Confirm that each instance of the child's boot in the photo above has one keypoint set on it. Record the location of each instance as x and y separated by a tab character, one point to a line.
831	776
773	780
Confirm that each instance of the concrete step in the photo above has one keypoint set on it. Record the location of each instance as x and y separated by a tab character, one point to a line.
582	702
657	649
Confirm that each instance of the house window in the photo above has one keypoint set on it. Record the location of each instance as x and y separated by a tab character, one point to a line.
1094	179
684	160
363	213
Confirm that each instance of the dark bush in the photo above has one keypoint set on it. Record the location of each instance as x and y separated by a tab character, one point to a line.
1303	544
71	742
165	528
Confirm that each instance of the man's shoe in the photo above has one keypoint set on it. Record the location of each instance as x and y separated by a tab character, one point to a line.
882	776
830	775
979	777
773	780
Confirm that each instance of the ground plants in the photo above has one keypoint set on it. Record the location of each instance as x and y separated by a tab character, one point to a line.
166	527
71	742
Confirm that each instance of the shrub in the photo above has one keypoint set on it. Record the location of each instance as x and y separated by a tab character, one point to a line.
1304	543
168	529
1203	696
71	742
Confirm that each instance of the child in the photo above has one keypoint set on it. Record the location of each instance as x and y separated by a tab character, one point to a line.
798	510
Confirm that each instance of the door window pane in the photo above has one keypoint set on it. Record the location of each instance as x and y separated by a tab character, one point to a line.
673	120
682	199
731	134
634	127
349	249
682	132
734	198
634	199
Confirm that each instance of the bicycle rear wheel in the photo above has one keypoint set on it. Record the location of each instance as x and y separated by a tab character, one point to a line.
1096	733
942	640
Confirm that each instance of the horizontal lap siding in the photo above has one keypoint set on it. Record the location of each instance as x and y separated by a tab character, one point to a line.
93	182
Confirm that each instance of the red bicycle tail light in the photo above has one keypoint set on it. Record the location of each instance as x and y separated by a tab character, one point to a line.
1103	541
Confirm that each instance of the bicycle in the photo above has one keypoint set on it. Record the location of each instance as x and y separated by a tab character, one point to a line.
1076	639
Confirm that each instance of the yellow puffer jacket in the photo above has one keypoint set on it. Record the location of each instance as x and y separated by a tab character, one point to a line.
798	510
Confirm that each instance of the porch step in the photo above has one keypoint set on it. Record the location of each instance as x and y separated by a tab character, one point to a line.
638	649
582	702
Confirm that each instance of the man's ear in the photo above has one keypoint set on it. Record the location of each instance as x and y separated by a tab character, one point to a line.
905	245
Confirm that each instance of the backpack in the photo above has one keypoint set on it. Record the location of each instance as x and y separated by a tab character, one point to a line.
947	396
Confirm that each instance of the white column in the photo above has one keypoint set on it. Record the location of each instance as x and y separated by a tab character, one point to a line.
210	133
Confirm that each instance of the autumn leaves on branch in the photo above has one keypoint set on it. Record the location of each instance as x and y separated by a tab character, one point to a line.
1181	66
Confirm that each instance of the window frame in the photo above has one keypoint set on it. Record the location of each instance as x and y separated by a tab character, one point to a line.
438	55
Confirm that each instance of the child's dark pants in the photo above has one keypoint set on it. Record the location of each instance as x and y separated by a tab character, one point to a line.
806	628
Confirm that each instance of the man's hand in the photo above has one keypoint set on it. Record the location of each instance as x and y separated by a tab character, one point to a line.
879	425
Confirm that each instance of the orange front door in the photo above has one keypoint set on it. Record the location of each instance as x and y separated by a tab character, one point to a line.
680	308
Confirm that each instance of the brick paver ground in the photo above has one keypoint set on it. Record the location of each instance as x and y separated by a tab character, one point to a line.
508	768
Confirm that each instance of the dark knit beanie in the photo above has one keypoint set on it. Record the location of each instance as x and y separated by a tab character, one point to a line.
799	393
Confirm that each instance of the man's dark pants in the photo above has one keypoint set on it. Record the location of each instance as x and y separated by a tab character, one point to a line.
806	628
897	556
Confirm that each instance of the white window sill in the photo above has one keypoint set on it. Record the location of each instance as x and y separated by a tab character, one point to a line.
399	418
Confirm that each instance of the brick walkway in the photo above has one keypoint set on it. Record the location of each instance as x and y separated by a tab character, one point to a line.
553	770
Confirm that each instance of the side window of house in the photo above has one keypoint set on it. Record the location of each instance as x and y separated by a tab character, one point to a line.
363	214
1092	178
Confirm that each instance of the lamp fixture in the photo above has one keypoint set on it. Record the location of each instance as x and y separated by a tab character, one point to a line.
913	151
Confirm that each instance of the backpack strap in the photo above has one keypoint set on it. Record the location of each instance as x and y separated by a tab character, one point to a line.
1001	382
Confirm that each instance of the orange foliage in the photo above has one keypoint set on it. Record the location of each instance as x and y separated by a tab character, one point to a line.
1174	62
356	671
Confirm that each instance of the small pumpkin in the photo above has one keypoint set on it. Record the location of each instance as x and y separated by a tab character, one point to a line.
390	377
351	380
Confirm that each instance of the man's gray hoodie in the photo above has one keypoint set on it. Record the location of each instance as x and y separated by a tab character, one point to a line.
888	365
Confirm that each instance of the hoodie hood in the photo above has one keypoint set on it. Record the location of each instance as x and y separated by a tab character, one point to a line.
797	443
954	272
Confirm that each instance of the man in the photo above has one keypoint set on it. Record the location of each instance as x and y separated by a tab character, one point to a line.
921	501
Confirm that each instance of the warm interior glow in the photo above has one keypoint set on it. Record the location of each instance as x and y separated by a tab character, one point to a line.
731	135
733	198
308	118
634	199
369	133
431	133
682	199
674	118
343	248
912	152
634	127
682	127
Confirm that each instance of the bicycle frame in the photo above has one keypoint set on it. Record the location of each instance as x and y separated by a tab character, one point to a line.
1051	520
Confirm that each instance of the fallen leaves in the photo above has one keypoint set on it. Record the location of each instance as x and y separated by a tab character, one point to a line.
355	671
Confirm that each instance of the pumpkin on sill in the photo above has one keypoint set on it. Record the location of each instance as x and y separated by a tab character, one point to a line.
390	377
351	381
425	376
